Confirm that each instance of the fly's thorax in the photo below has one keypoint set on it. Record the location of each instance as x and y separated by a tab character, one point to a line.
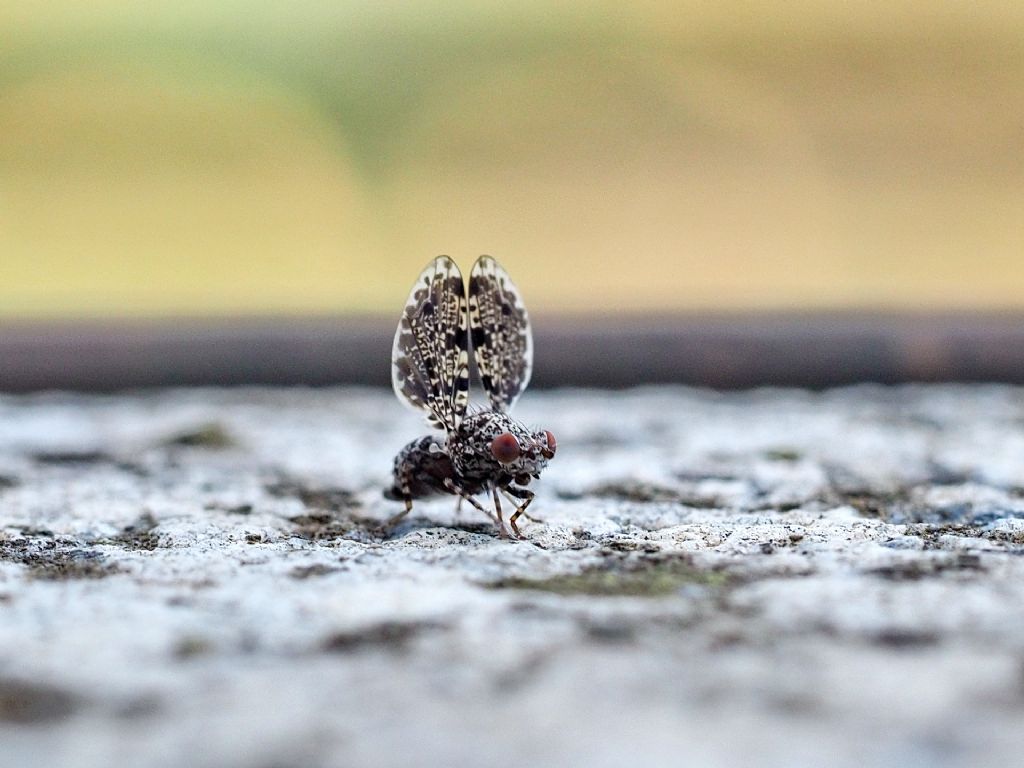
491	445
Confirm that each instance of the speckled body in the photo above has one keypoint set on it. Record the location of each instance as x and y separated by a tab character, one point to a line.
420	470
423	465
470	450
486	450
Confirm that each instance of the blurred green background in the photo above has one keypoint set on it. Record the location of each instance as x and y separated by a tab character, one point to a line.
206	158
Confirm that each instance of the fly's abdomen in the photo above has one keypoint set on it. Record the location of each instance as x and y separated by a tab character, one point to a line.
421	469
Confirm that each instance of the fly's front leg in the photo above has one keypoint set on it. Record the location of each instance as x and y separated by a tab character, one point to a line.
450	485
522	493
501	523
511	492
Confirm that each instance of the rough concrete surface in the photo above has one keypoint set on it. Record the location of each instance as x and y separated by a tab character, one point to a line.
775	578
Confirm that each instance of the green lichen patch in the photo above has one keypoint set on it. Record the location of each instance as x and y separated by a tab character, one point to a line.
191	646
788	455
212	436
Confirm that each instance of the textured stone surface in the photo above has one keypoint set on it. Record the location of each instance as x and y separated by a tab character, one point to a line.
775	578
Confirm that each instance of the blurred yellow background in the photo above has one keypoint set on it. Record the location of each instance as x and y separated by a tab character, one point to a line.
230	157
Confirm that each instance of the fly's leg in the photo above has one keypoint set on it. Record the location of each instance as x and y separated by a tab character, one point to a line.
396	519
521	493
501	522
511	520
525	494
453	488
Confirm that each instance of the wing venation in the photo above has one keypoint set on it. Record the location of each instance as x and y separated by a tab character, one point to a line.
429	358
500	331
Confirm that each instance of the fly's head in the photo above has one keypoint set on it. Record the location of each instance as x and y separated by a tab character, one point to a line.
501	446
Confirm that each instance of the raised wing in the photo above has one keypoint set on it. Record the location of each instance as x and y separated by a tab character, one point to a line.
429	359
500	329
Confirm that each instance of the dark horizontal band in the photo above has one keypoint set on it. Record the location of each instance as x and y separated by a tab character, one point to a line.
717	350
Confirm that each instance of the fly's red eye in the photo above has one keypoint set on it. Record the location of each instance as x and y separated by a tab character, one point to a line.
552	445
505	448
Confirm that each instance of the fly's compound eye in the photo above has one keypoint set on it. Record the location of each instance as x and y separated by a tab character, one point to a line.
505	448
552	445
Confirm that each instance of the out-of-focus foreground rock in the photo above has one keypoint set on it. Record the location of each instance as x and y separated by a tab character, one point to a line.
772	578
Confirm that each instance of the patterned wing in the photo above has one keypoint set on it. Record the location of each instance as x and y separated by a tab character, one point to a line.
430	360
500	329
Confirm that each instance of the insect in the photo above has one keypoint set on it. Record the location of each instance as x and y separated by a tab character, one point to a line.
484	450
